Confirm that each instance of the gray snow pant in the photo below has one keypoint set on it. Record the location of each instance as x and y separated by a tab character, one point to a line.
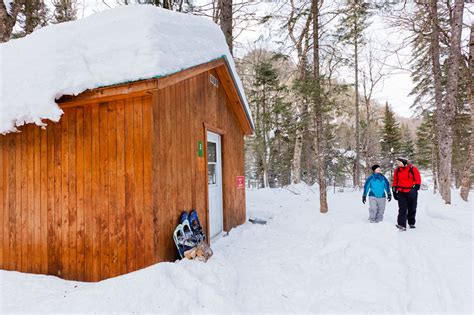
376	208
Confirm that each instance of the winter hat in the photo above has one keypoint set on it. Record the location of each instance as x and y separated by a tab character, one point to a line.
374	167
403	160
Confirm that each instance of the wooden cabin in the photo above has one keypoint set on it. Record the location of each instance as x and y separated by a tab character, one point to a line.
99	193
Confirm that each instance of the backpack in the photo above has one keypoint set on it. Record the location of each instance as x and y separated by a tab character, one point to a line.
410	171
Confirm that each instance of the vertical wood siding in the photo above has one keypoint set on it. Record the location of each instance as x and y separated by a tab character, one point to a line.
99	193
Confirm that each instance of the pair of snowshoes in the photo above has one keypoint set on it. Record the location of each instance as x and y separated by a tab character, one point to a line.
189	233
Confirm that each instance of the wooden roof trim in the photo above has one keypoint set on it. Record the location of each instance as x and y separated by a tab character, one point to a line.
234	98
143	87
137	87
189	73
106	93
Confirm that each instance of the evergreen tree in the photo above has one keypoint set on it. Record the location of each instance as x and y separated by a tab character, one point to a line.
273	126
407	147
390	144
425	142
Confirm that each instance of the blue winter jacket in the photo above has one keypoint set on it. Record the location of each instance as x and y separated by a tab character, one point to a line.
376	185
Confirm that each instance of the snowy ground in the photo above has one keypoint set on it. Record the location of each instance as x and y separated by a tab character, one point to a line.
301	261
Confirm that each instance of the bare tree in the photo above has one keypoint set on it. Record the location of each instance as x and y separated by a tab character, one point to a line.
446	117
298	26
225	9
64	10
318	109
243	15
372	75
8	18
436	67
351	31
469	167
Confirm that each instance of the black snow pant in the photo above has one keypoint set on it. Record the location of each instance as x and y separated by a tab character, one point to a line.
407	207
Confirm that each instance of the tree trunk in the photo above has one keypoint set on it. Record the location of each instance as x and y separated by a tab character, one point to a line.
318	112
296	163
8	20
265	142
357	127
469	167
436	68
301	43
368	135
301	112
446	130
226	22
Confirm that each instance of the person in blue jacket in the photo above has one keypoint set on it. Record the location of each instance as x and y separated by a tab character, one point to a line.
378	188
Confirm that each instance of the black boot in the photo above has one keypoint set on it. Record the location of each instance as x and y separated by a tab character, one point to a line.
401	228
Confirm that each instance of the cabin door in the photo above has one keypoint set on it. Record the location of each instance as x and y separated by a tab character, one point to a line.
214	182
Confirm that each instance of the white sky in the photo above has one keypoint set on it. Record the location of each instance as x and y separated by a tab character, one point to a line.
396	85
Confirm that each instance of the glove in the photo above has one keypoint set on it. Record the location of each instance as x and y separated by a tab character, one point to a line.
389	198
416	186
395	193
364	199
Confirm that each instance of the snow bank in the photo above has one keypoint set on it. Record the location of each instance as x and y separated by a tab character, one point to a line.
127	43
301	261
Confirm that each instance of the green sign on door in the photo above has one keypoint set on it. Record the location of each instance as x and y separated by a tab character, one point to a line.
200	148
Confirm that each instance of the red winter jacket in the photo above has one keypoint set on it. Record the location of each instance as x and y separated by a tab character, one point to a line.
405	177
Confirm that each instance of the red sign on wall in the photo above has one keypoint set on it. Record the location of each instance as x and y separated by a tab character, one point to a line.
240	182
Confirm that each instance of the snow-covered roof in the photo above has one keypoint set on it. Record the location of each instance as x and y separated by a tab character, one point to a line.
127	43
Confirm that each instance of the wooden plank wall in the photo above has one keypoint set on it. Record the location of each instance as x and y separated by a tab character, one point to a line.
75	198
180	112
99	193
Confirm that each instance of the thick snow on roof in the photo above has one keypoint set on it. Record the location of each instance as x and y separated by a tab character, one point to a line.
123	44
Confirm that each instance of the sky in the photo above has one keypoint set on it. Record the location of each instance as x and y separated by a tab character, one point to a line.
395	86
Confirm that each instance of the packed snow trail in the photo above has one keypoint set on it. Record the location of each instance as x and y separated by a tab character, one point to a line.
301	261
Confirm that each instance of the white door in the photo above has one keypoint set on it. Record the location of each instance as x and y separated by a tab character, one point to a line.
214	182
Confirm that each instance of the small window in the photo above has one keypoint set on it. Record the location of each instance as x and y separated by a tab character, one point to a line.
211	163
211	152
213	80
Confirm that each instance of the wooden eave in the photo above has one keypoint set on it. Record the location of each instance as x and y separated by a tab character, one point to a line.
144	87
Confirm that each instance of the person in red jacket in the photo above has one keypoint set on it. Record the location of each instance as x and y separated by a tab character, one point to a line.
406	183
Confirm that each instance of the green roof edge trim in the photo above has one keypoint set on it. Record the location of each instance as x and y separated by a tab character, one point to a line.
160	75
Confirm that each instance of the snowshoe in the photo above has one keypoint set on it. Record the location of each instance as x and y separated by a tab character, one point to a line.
412	226
180	241
183	217
196	226
401	228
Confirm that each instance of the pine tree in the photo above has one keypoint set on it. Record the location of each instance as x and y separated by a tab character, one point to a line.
272	114
425	142
427	146
407	147
390	144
